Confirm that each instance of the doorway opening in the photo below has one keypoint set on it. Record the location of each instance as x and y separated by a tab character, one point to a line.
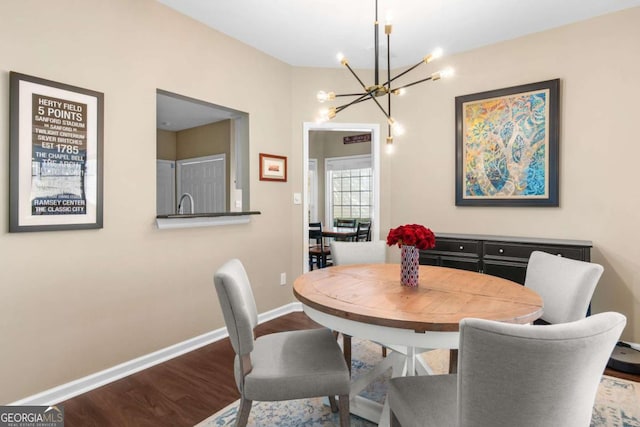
341	170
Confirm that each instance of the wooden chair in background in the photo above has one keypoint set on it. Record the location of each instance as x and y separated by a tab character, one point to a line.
319	253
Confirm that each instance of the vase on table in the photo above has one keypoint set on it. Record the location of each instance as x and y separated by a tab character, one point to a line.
409	266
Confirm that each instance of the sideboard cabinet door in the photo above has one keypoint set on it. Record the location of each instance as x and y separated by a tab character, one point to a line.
501	256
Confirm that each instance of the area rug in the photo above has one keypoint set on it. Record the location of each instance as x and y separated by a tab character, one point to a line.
617	403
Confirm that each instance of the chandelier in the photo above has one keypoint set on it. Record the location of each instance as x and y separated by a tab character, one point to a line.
377	90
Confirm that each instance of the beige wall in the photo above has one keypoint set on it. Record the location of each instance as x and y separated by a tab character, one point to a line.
76	302
214	138
166	145
598	65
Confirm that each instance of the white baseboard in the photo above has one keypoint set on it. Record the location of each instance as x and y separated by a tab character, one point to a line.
82	385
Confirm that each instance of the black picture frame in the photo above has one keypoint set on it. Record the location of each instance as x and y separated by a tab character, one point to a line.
497	131
56	155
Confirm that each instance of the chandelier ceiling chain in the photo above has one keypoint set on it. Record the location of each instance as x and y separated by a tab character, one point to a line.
378	90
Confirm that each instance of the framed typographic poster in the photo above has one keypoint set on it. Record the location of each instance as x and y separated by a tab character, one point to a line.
507	146
56	136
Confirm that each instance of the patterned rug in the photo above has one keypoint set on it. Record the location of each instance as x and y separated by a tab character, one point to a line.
617	403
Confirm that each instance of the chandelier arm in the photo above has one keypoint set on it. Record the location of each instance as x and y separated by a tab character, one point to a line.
361	94
364	97
388	75
381	108
377	53
411	84
355	75
361	99
356	101
403	73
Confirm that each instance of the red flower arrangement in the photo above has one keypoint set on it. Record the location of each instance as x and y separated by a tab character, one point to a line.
412	235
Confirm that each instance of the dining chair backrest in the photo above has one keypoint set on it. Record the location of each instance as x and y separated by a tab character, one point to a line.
238	305
529	375
565	285
345	222
344	253
363	232
315	232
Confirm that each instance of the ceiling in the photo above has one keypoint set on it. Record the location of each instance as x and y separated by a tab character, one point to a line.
310	33
175	112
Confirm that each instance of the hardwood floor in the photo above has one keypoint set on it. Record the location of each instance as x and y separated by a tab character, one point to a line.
180	392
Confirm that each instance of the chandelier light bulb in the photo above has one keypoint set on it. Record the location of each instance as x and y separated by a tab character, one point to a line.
437	53
442	74
447	72
389	148
387	25
324	115
325	96
341	58
400	91
327	114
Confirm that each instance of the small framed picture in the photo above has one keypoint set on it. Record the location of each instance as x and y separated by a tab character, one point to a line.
273	168
55	156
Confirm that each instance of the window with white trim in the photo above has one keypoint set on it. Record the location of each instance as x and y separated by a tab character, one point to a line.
349	181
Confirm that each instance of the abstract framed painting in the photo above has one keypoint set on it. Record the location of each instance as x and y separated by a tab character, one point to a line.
507	146
56	138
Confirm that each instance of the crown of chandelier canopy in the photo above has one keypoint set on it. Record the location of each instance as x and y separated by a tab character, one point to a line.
377	89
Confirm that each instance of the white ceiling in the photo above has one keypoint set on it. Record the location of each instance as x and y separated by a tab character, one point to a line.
311	32
176	112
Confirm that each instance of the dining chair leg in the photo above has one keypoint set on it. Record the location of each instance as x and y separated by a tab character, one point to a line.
343	402
346	348
453	361
243	412
333	404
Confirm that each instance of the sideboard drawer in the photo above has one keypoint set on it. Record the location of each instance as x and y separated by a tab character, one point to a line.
523	251
470	247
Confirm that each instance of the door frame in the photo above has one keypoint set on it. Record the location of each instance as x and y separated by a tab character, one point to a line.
374	128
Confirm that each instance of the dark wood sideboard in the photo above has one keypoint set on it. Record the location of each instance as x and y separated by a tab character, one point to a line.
501	256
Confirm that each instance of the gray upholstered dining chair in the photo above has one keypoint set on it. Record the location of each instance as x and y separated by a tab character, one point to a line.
565	285
279	366
513	375
358	253
344	253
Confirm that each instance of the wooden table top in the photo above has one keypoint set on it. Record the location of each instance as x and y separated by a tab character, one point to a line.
372	293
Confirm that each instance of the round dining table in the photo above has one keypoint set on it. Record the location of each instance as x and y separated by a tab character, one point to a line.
368	301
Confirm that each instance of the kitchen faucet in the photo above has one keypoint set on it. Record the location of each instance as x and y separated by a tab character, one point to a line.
181	207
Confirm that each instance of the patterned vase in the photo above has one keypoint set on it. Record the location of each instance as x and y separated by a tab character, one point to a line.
409	266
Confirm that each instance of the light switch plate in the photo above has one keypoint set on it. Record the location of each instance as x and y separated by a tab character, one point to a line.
297	198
